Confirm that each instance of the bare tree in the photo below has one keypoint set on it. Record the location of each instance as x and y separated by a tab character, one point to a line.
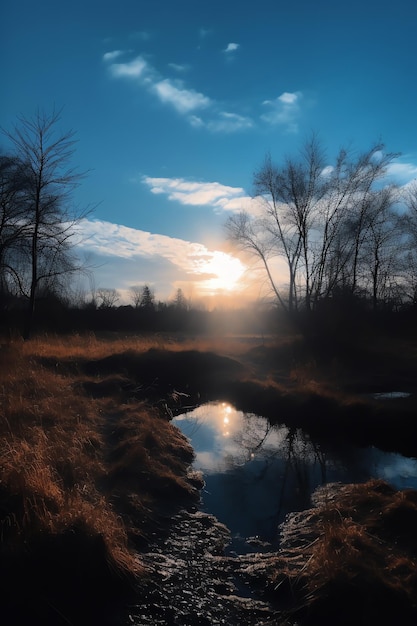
409	237
107	297
315	217
379	260
136	295
46	248
12	219
142	297
288	197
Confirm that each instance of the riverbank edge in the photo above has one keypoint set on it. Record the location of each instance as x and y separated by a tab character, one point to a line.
77	551
349	559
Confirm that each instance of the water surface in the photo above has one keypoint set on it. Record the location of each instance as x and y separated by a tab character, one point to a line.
256	473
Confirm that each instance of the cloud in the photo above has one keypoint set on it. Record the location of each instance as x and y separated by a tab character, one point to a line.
288	98
231	47
220	197
167	91
402	172
223	122
159	254
115	240
178	67
174	93
183	100
133	69
229	123
284	111
110	56
327	171
196	121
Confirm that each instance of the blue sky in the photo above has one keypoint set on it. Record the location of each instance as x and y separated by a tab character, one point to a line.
175	103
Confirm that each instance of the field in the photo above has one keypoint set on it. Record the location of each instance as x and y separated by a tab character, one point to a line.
92	467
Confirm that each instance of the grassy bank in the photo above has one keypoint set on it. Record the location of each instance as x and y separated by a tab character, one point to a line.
83	480
352	559
91	464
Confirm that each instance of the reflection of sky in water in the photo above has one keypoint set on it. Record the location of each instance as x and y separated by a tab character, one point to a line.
222	436
255	473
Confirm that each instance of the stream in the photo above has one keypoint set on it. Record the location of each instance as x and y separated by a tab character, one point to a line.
256	473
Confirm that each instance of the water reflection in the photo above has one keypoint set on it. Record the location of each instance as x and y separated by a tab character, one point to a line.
255	473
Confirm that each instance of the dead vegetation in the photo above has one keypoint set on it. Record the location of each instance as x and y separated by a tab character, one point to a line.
352	559
90	464
82	478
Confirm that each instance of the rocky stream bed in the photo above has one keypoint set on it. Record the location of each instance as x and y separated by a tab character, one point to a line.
194	580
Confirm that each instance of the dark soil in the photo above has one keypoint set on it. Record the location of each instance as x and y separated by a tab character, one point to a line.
258	383
192	582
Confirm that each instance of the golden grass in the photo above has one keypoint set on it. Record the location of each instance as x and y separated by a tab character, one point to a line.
72	465
99	466
102	345
362	556
51	456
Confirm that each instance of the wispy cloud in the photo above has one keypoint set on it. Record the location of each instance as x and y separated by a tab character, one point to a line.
284	111
231	47
223	122
229	123
111	56
179	67
173	92
218	196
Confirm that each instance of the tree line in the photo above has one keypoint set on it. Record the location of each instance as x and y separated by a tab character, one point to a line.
343	231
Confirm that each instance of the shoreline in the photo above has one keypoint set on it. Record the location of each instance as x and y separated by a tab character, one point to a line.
93	469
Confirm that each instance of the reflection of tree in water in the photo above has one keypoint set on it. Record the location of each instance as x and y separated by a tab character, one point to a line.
288	450
252	438
256	472
302	455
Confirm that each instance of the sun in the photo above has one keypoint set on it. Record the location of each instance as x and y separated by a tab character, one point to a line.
226	271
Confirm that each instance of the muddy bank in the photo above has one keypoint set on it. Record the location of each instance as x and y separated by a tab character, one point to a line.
350	559
108	462
258	382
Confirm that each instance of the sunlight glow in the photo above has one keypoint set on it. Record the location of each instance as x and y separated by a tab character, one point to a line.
226	420
226	270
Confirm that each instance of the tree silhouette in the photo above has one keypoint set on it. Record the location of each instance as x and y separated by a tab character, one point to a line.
180	301
320	219
147	299
46	182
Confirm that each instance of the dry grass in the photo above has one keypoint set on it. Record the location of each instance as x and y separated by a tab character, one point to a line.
360	563
100	346
78	476
87	467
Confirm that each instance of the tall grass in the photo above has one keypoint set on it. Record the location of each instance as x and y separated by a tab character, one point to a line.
358	563
79	475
